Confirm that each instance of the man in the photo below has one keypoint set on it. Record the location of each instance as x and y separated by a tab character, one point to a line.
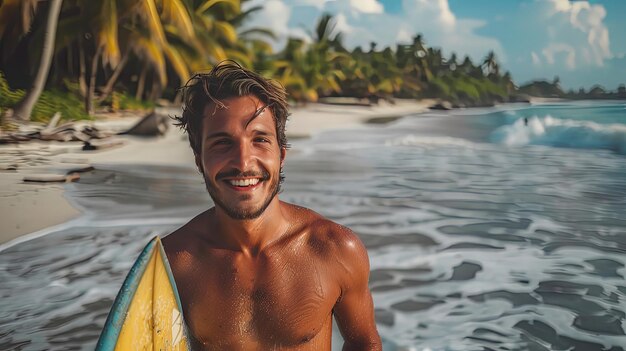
253	272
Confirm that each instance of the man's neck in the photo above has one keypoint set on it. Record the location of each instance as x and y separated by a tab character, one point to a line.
250	236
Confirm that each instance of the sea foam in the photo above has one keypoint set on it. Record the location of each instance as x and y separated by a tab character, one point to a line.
550	131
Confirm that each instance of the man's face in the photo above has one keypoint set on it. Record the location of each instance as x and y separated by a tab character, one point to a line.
240	156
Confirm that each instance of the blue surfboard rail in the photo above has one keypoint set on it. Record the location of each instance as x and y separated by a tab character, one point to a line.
170	275
115	320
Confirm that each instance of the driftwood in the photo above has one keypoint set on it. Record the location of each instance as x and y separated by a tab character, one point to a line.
106	144
52	178
444	105
152	124
51	132
346	101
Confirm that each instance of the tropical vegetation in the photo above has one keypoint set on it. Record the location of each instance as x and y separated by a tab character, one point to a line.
115	54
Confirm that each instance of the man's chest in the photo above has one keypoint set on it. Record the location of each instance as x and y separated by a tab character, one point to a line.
286	299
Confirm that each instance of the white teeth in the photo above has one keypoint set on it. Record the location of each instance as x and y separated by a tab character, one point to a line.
244	182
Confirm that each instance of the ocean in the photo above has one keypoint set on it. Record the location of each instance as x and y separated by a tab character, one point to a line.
487	229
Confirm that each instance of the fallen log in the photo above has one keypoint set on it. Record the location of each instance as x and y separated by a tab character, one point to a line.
152	124
51	178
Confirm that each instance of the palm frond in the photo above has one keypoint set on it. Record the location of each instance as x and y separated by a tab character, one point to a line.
150	51
226	31
153	20
176	13
177	62
107	33
16	19
257	32
233	4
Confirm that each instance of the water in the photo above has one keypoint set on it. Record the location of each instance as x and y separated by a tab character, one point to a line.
483	233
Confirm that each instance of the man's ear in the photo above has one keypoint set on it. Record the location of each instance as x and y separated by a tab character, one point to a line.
283	153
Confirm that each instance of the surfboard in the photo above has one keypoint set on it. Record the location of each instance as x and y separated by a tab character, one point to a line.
147	313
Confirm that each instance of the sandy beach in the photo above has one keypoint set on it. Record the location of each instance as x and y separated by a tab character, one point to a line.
29	207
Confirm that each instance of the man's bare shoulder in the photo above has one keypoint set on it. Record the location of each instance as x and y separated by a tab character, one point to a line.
180	245
329	238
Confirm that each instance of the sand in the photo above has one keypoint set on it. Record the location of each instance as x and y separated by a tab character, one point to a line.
26	208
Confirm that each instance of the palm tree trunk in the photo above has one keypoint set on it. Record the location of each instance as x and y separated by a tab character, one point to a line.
24	108
108	88
155	90
70	60
82	80
92	82
141	83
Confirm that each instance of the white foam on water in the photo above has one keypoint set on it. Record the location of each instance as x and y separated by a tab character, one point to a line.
467	241
421	140
550	131
39	234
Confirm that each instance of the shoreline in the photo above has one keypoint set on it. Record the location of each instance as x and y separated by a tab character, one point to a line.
28	208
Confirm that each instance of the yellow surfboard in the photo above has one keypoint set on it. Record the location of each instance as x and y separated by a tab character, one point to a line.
147	313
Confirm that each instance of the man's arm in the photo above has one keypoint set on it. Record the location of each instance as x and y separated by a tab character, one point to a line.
354	311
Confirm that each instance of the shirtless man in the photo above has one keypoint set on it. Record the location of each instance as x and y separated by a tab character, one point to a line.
253	272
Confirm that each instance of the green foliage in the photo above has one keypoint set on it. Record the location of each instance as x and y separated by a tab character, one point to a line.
50	102
541	88
324	67
8	97
124	101
157	40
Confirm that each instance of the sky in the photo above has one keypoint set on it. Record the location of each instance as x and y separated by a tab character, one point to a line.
582	42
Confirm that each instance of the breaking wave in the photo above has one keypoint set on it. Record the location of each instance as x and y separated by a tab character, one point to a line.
550	131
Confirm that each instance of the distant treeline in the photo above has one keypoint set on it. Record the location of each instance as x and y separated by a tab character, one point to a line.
118	54
544	88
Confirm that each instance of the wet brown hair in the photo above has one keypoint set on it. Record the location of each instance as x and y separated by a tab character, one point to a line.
228	79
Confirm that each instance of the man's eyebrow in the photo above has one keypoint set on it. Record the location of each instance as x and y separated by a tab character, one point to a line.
262	132
257	113
217	134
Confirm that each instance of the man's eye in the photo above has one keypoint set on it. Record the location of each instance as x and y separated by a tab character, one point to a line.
222	142
261	140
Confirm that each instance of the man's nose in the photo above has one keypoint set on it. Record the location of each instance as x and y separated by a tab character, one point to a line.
242	157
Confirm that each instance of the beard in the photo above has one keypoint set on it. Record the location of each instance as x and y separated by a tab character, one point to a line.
237	212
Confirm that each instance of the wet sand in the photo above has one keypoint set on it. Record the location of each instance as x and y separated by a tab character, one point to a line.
29	207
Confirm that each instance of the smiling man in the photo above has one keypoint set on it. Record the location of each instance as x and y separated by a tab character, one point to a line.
254	272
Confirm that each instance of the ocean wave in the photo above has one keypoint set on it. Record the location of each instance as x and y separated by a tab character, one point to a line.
550	131
421	140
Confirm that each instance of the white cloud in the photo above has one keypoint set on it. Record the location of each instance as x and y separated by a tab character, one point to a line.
437	11
535	58
367	6
316	3
341	24
432	18
554	50
274	15
404	35
579	24
563	33
544	37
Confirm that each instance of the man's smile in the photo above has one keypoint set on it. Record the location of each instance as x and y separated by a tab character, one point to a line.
244	184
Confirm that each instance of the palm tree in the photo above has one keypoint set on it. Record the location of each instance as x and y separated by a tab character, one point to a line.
507	80
310	70
452	62
24	108
16	20
490	64
420	52
122	29
146	31
251	48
